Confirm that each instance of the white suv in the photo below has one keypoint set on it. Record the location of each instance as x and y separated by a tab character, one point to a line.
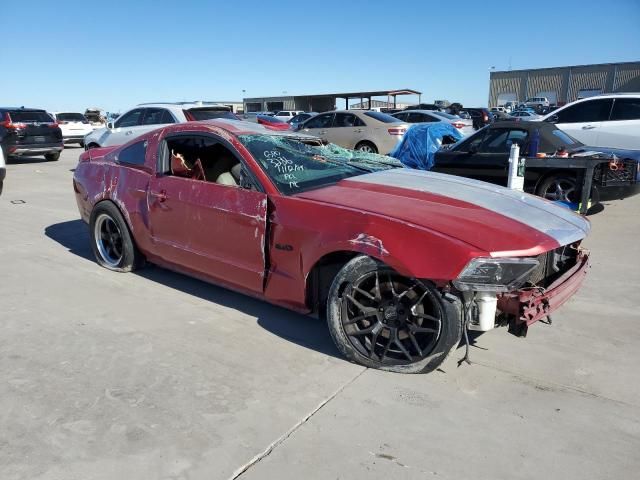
611	120
149	116
74	126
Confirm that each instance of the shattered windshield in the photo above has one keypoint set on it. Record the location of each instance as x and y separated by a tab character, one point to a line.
299	164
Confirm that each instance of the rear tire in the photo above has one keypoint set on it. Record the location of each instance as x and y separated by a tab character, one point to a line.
366	147
52	157
111	240
381	319
81	143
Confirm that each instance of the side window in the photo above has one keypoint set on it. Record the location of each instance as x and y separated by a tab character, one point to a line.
130	119
157	116
589	111
345	120
426	118
500	140
401	116
133	154
626	109
321	121
201	158
472	142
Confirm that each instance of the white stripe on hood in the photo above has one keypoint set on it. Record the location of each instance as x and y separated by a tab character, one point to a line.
556	221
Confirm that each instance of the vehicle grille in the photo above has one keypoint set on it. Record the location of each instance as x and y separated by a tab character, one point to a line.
553	264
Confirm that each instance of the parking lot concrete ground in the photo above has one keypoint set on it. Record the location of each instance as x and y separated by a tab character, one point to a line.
155	375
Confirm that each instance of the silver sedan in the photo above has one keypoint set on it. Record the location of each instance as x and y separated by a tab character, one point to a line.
464	126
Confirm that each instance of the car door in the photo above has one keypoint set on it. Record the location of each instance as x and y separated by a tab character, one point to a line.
584	119
125	128
212	229
622	129
319	125
346	130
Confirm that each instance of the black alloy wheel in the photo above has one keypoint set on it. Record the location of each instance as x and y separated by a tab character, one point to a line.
382	319
390	318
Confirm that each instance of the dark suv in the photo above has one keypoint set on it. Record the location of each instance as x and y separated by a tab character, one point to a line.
29	131
480	117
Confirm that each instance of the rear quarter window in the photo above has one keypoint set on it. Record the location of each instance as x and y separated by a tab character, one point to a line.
133	154
382	117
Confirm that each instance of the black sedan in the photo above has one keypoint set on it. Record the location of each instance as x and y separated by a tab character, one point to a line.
485	156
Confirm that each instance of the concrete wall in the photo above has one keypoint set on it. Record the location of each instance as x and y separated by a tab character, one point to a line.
565	82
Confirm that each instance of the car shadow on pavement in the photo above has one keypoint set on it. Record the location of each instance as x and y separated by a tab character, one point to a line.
25	160
302	330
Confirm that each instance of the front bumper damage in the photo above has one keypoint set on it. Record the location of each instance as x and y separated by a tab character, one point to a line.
528	305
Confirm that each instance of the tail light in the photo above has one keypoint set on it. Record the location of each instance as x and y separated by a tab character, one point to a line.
458	125
397	131
62	122
188	116
53	125
9	125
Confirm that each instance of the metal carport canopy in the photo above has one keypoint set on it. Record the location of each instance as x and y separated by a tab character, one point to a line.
368	95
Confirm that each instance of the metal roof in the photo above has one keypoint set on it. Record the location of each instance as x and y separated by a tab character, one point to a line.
561	67
364	94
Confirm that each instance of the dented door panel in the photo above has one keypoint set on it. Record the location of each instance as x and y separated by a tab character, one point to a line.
216	230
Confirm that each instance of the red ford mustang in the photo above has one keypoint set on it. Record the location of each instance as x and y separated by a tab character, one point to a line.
399	261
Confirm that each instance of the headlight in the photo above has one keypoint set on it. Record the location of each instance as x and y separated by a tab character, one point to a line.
495	274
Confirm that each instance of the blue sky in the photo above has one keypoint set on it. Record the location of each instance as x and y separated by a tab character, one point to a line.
69	55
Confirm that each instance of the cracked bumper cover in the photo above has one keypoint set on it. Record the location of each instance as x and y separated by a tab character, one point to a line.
530	305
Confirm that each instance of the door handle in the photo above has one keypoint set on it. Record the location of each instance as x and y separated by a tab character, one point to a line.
358	130
322	132
161	196
128	132
588	127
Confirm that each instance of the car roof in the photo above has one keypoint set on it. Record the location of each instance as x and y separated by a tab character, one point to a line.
26	109
613	95
428	112
235	127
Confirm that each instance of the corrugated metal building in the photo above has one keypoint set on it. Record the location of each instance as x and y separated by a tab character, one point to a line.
563	84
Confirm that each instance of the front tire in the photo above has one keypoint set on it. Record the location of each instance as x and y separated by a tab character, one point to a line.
111	239
52	157
381	319
81	143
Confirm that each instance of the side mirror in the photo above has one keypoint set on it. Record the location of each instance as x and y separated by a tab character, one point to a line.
245	181
552	119
110	125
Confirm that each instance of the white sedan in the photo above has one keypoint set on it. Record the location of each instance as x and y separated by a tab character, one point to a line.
524	115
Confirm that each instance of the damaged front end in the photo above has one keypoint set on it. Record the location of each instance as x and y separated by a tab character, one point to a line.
520	291
559	275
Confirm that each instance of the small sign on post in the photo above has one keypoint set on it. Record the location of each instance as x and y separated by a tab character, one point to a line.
516	169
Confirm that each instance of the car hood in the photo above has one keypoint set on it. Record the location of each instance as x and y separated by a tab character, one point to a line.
494	219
